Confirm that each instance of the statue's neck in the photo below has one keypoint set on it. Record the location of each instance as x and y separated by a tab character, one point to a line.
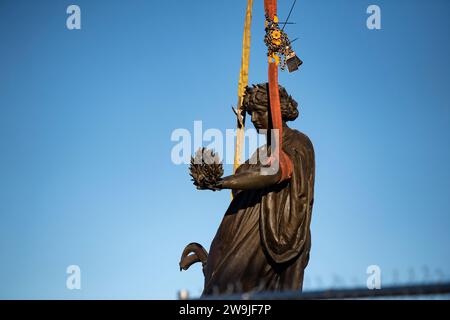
285	133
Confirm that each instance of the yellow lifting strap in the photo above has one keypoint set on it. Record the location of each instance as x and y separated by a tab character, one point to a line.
243	82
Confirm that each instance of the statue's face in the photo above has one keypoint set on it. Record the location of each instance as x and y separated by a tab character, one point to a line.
260	117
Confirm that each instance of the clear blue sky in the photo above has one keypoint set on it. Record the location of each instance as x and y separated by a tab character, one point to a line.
86	118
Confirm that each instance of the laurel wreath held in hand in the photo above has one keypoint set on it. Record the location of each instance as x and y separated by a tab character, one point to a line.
206	169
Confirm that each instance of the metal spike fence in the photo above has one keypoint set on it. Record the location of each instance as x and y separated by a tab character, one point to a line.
424	291
431	286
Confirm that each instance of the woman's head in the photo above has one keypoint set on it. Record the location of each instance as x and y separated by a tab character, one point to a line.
256	101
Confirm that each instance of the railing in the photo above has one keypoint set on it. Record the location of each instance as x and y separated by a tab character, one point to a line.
432	290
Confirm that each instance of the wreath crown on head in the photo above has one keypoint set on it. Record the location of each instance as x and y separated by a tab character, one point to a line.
258	95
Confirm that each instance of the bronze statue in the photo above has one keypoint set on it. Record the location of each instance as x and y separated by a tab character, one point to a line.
264	240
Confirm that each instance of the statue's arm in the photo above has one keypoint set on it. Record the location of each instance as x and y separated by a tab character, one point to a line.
250	179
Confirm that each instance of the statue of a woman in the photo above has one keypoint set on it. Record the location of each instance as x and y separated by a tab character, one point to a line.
264	240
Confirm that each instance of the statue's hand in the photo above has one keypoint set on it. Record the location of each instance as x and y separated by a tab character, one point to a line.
212	186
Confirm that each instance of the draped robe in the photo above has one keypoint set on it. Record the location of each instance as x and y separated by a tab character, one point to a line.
264	240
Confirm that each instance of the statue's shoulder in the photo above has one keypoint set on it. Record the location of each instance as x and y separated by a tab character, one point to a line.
299	140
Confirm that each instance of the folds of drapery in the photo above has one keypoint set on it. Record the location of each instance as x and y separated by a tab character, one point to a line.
286	210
